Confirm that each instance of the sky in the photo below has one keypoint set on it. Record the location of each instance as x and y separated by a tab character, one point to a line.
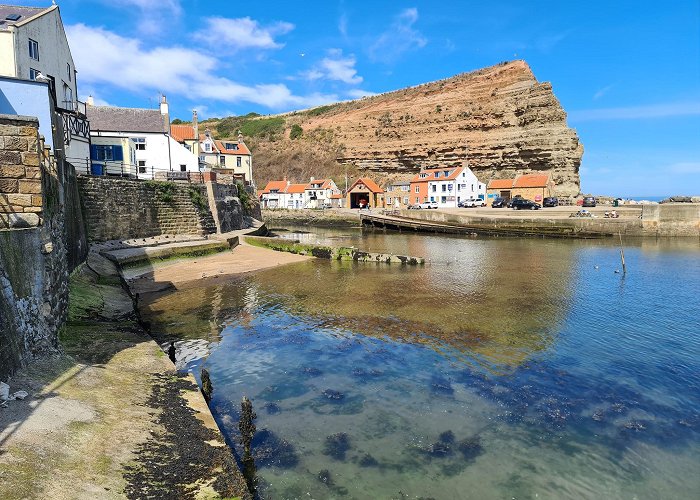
626	72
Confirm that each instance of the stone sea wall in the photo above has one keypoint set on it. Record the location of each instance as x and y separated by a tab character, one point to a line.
124	209
34	248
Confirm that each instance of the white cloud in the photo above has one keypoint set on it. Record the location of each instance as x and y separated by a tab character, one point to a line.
663	110
600	93
343	25
242	33
105	58
337	67
399	38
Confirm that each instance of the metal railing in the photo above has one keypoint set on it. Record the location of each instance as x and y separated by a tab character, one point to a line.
126	170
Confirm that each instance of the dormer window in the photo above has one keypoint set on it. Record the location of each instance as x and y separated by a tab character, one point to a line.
447	173
437	175
423	176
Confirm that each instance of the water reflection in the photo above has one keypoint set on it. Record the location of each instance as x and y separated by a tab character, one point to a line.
521	368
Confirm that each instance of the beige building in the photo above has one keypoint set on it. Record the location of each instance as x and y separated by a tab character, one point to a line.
398	194
233	156
534	187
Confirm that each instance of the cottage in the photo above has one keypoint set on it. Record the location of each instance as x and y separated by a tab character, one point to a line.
365	193
530	186
133	141
318	192
446	186
295	196
272	195
398	194
229	155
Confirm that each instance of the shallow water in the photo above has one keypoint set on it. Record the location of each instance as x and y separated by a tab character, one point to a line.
503	368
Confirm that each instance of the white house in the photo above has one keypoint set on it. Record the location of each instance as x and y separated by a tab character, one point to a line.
34	47
318	192
447	186
115	131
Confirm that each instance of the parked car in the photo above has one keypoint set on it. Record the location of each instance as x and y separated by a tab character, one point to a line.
428	204
472	202
523	204
413	207
550	201
476	202
510	202
498	202
589	201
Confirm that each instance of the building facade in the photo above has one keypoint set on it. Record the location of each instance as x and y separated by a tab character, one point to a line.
365	193
398	194
230	155
534	187
33	42
318	192
156	153
446	186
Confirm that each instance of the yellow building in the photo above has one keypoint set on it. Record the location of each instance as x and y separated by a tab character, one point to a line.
534	187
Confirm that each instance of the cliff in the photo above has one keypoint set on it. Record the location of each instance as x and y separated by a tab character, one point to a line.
500	120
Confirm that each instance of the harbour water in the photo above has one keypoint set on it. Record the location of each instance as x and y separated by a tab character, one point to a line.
503	368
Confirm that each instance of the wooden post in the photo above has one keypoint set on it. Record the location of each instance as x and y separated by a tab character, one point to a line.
622	254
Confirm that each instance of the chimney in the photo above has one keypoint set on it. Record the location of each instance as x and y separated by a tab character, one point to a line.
207	133
240	137
312	179
90	101
166	114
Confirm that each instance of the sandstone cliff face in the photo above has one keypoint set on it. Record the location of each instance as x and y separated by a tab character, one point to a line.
500	120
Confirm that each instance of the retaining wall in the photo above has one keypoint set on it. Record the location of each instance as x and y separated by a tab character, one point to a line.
36	251
117	209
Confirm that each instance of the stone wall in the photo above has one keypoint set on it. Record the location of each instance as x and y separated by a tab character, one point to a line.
20	172
117	209
34	262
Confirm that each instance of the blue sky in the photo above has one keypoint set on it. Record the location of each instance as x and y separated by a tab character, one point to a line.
627	72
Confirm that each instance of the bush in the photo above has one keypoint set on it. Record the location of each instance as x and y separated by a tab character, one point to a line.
164	190
296	132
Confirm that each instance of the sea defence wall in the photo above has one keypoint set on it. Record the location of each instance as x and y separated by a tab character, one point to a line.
666	220
38	248
125	209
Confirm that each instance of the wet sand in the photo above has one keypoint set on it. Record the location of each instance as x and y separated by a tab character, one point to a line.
186	273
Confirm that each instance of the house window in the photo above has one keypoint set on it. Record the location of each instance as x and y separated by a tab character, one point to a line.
449	187
104	153
444	188
140	143
447	173
423	176
405	200
417	199
459	187
183	168
437	175
238	161
222	160
32	73
207	147
434	188
388	200
33	49
417	190
472	187
70	77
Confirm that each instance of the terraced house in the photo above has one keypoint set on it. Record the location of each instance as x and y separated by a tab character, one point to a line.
446	186
231	155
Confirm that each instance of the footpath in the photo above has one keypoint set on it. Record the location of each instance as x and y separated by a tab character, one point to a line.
110	417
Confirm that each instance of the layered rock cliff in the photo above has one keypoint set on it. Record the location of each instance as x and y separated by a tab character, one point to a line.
499	120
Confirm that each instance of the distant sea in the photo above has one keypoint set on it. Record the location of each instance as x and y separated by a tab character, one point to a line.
645	198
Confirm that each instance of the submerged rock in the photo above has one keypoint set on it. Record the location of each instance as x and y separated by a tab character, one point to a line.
368	460
325	477
337	445
470	448
272	408
269	449
447	437
333	395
